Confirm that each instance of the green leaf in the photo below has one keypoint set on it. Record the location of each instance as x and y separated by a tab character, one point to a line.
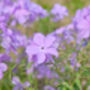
77	85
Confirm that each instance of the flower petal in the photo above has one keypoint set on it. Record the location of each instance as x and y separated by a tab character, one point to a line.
15	80
52	51
41	58
49	41
32	50
84	34
39	39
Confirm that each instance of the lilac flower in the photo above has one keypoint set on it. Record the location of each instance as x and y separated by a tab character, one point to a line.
19	85
12	40
5	58
3	21
40	12
36	12
3	68
40	47
21	15
82	23
7	8
23	12
7	1
59	12
27	12
16	12
65	33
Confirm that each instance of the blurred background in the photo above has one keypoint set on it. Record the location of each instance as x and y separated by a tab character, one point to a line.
72	6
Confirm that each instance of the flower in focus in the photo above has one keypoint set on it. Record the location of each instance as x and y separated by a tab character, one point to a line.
40	47
36	12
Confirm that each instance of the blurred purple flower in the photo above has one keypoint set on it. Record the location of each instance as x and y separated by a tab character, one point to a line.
38	10
81	22
59	12
21	15
4	58
41	46
19	85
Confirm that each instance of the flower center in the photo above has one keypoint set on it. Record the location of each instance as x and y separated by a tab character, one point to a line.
42	48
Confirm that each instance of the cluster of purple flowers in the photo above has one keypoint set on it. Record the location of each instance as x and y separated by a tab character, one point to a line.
42	51
26	12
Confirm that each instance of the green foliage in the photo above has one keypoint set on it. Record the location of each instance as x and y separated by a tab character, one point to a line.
74	5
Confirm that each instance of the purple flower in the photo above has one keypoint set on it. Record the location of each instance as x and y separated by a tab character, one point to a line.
4	58
19	85
3	68
59	12
23	12
12	40
65	33
82	23
21	15
38	10
40	47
